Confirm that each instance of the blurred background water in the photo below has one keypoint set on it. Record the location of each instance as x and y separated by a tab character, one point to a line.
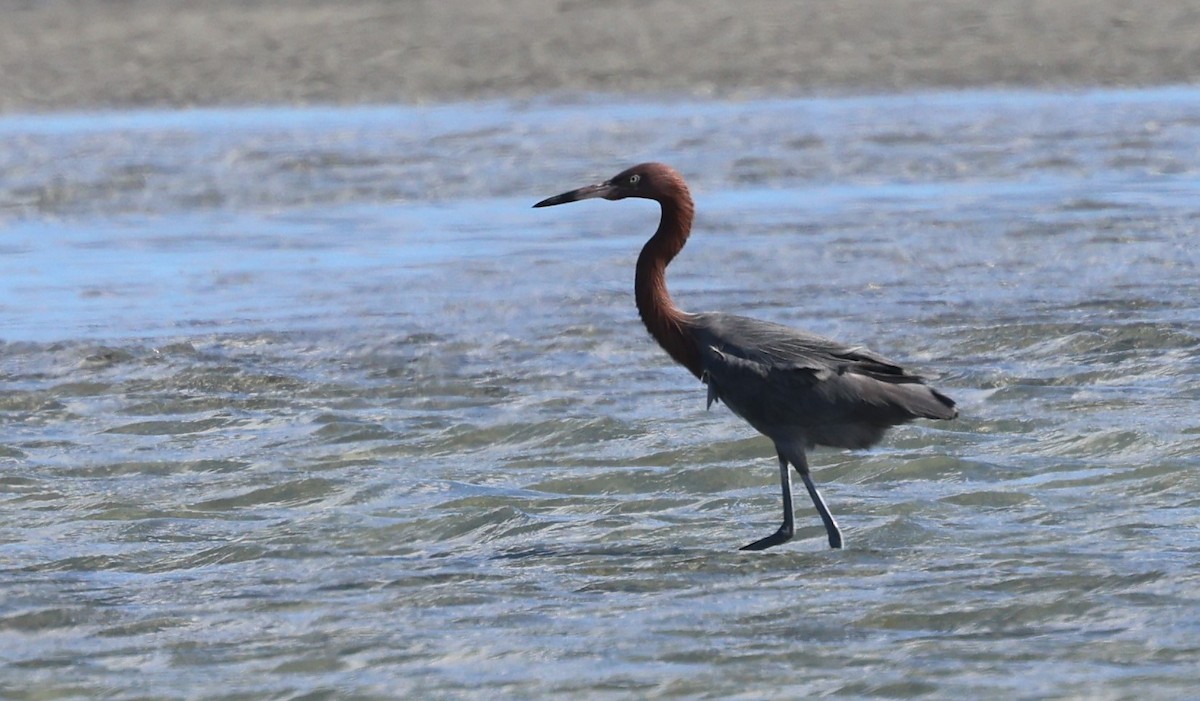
309	403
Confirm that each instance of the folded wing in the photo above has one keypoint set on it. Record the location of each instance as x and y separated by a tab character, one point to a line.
798	387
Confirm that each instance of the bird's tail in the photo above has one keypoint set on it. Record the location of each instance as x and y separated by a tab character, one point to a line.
946	408
923	401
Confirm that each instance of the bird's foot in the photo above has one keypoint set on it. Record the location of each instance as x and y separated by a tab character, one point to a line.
779	537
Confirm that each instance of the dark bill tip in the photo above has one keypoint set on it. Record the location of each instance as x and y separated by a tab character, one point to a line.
557	199
583	193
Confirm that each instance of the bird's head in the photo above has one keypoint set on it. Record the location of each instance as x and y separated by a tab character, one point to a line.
651	181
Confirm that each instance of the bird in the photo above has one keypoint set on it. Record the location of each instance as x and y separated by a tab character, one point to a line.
798	389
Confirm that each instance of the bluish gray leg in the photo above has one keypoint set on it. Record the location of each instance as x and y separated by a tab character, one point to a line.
831	527
785	532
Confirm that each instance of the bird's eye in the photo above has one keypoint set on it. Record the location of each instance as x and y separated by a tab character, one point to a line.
633	179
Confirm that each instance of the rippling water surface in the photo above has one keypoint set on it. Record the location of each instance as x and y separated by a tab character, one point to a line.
311	404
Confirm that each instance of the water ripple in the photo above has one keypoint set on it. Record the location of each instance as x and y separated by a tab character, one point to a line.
313	403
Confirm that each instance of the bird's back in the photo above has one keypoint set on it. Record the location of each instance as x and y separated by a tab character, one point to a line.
798	387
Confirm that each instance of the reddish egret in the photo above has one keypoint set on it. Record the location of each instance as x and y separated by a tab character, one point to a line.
795	388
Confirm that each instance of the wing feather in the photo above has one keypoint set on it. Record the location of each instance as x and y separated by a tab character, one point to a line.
791	385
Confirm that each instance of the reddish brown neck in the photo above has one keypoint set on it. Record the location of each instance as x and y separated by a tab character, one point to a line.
665	321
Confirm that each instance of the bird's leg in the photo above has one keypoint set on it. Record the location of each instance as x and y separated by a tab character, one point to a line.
831	527
784	534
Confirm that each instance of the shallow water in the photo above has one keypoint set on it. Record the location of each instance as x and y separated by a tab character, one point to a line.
311	404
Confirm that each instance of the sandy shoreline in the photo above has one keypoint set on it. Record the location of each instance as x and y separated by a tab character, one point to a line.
86	54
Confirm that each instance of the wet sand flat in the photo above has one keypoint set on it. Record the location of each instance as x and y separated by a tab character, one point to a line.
86	54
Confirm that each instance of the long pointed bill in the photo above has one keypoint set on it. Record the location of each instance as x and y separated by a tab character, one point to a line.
584	193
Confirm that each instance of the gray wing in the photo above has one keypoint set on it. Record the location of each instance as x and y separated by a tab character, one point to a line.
795	386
